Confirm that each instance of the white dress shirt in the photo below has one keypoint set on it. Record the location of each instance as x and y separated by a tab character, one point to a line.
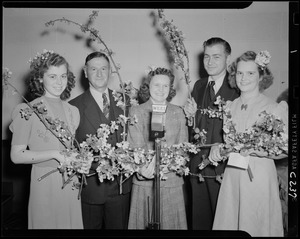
218	82
98	96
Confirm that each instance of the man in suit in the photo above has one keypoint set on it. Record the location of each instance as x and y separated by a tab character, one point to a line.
204	194
103	205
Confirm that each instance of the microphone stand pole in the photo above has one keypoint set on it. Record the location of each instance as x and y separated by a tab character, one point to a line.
155	225
157	184
157	132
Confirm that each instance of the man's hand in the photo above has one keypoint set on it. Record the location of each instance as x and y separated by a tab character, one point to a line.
190	108
214	154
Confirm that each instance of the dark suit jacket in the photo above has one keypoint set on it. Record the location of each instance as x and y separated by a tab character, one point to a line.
91	117
213	126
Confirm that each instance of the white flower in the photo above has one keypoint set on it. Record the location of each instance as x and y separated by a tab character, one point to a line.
151	68
263	59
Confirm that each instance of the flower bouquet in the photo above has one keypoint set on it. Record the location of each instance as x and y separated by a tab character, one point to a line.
217	112
268	134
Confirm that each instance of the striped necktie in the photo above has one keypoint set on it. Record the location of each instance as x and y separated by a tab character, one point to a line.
105	106
211	89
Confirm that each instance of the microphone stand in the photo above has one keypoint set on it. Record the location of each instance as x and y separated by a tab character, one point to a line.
155	225
157	133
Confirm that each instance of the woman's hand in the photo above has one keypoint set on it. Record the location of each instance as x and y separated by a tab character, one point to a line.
148	171
60	158
262	154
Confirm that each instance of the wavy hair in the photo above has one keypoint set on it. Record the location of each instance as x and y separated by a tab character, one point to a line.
144	92
217	40
266	74
36	88
96	54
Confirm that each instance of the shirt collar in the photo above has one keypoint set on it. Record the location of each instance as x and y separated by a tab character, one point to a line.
218	81
98	96
94	92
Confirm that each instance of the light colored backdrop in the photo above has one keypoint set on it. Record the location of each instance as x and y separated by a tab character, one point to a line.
130	34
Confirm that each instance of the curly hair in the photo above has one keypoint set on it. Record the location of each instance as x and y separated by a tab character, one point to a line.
266	74
36	88
144	92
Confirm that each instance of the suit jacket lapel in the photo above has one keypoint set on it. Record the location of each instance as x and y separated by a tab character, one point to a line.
222	91
92	111
199	97
200	94
224	88
115	110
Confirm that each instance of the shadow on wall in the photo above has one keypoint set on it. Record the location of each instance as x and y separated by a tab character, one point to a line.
84	82
17	178
77	37
201	71
284	96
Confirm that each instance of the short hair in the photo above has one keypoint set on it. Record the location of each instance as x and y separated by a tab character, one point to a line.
217	40
144	92
265	73
36	88
96	54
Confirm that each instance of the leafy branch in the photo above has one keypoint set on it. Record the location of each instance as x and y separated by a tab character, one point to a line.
95	36
178	50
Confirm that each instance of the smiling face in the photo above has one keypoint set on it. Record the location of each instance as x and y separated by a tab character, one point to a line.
97	70
247	76
215	60
159	88
55	81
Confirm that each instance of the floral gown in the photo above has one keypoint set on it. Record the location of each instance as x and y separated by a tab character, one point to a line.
251	206
50	206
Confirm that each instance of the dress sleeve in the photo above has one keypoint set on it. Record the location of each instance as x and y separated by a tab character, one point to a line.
135	132
20	127
227	108
76	117
281	110
183	130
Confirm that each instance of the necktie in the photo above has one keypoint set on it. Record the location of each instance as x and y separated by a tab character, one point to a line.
211	89
105	106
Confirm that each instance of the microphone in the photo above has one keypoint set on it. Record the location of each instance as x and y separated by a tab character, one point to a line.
158	121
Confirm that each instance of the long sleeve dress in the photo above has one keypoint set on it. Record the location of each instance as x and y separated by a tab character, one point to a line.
50	206
251	206
172	206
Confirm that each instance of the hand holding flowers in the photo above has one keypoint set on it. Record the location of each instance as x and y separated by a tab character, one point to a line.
147	171
266	138
268	135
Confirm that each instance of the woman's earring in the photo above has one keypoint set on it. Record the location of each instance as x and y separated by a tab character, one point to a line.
41	81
